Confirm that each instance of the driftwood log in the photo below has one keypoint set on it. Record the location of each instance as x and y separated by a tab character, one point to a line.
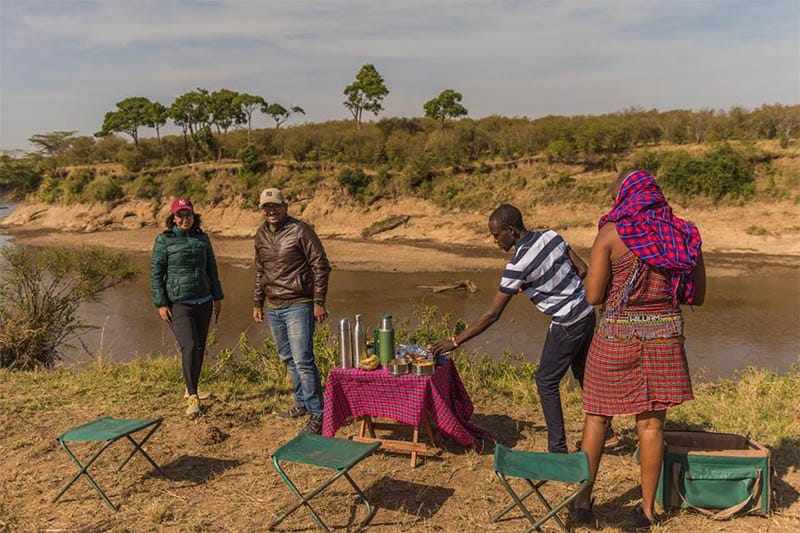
465	284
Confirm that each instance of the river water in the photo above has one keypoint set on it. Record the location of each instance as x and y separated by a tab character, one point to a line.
746	320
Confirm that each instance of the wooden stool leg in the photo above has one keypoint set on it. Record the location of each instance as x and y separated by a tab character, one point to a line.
414	453
362	431
429	431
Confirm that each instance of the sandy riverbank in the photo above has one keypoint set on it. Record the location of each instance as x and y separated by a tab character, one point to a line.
738	239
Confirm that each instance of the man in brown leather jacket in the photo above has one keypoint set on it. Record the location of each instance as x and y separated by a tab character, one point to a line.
292	277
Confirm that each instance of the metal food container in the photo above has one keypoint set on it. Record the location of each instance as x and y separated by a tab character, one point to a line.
424	367
397	366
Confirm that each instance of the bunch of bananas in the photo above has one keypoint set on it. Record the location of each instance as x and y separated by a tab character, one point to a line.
369	363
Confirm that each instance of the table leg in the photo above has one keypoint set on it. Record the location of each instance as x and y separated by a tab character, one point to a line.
415	439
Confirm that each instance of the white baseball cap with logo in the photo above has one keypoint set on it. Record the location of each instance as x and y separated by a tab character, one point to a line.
271	196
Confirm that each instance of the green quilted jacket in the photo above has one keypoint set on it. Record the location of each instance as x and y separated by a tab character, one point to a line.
183	268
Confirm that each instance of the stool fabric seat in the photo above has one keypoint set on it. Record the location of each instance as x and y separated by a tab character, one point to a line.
325	452
537	469
106	430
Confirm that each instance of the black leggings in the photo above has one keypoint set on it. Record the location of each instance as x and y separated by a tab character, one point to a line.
190	324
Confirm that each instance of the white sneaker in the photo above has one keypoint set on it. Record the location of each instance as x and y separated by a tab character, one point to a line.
193	406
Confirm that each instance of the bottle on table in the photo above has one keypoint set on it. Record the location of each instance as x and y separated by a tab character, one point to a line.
385	340
359	340
345	344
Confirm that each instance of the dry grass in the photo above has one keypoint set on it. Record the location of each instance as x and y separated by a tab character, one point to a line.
219	476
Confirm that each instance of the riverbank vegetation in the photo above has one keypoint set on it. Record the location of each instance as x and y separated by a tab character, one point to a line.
466	163
41	291
223	454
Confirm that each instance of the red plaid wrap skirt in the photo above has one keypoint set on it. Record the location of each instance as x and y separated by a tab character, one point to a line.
632	376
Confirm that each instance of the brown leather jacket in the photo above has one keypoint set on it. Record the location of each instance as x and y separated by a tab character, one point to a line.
291	265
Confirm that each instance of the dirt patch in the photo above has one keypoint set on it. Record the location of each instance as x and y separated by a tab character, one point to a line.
229	484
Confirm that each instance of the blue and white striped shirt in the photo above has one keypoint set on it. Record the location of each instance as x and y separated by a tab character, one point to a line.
542	270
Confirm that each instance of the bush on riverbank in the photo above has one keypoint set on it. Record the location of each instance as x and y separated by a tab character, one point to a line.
41	292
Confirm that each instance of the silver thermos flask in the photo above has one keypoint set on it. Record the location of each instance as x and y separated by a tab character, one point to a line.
359	341
345	344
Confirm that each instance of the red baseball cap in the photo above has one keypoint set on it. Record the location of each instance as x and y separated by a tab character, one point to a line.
179	204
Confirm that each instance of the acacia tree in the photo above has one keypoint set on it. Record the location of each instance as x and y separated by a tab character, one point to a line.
366	93
226	111
131	114
190	112
53	142
248	103
157	116
446	105
279	113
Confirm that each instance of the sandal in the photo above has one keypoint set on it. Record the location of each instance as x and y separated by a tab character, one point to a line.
641	522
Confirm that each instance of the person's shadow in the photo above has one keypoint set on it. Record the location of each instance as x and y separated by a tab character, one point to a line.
505	429
194	469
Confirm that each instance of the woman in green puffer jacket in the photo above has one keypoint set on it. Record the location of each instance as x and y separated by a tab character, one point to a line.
185	287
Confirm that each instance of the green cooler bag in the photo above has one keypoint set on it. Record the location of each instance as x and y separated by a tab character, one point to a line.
718	474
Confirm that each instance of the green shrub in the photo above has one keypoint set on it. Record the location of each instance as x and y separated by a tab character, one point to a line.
50	191
75	184
647	160
354	181
250	160
145	186
19	176
42	291
723	171
181	184
104	189
131	158
561	150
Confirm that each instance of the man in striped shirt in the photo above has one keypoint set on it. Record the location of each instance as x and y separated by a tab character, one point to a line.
549	273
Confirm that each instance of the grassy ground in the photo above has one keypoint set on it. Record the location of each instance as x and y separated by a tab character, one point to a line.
218	475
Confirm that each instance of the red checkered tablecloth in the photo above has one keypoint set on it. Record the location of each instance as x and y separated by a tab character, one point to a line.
352	392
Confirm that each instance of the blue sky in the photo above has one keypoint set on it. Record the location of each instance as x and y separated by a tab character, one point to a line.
64	63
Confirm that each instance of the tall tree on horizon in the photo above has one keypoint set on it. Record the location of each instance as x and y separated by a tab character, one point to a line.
446	105
130	114
53	143
248	103
279	113
366	93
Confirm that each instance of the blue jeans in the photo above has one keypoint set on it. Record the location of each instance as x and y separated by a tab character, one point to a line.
293	330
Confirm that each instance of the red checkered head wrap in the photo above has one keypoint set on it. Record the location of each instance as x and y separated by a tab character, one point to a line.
648	228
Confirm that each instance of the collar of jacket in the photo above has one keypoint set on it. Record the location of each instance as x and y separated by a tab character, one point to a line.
282	224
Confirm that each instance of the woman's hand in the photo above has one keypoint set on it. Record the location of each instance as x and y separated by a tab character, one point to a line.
217	309
165	313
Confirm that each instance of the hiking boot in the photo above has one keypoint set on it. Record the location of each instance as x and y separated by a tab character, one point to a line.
193	406
295	412
314	425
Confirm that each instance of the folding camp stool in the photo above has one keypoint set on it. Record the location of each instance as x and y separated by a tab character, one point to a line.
537	468
326	452
108	431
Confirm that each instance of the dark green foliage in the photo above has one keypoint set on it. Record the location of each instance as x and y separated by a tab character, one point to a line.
354	181
104	189
723	171
250	160
145	186
42	291
19	176
181	184
74	185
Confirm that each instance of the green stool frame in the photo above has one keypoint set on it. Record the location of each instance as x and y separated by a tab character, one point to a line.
108	431
537	468
326	452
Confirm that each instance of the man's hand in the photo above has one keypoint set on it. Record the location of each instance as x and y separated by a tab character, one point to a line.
442	346
258	315
165	313
320	313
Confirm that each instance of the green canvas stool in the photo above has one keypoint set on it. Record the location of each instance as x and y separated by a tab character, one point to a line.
108	431
326	452
537	468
